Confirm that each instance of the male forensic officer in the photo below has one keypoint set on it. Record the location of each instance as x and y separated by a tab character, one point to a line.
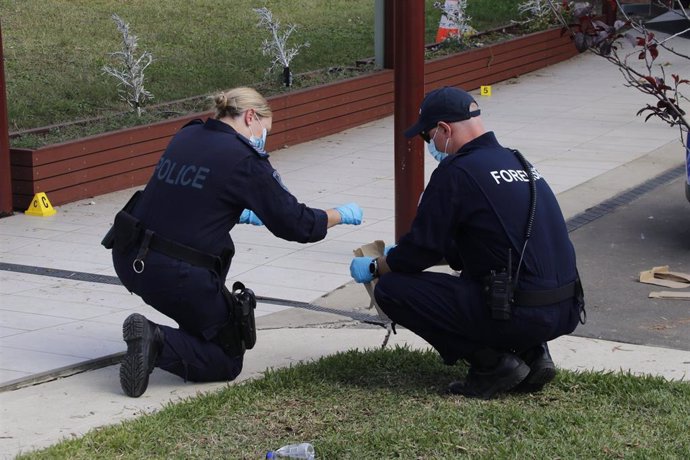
492	217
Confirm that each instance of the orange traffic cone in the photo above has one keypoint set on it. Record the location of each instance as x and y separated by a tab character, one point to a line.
446	27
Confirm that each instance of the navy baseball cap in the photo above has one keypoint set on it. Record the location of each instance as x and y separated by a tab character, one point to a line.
443	104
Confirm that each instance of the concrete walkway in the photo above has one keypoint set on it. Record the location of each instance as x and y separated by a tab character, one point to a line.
575	121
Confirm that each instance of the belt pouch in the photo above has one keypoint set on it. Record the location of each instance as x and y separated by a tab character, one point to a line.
109	238
127	231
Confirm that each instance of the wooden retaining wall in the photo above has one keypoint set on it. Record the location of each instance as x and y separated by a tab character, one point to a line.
108	162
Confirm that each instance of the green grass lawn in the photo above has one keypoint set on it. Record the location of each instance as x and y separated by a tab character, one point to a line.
392	404
55	49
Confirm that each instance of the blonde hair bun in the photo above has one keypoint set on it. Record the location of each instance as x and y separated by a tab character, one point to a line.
233	102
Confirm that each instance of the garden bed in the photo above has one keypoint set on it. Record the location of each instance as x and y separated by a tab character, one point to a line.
113	161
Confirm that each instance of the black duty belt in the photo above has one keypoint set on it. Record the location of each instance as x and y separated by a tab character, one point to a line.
128	232
547	296
179	251
151	240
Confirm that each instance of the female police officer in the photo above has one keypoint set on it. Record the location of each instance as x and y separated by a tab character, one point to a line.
172	245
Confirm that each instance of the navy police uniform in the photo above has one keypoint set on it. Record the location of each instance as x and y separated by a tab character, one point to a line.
474	208
204	180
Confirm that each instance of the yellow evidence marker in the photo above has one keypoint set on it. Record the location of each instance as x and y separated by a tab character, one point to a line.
40	206
485	90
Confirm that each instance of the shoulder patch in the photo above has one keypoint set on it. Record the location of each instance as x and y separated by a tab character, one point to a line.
278	179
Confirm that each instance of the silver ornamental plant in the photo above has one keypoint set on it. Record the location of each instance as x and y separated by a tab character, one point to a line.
276	46
130	72
538	8
540	13
457	16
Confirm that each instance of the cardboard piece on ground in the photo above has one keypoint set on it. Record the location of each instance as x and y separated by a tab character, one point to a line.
375	249
661	276
675	295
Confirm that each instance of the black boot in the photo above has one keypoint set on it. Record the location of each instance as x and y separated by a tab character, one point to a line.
487	380
144	342
542	369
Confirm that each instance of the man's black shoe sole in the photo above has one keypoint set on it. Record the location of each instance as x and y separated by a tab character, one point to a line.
134	370
501	385
537	379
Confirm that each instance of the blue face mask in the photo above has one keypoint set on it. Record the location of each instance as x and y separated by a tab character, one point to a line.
259	143
434	152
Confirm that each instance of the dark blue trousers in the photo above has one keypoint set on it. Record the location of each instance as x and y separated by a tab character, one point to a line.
450	313
193	297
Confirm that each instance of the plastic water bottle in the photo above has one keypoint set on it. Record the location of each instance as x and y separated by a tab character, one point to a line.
295	451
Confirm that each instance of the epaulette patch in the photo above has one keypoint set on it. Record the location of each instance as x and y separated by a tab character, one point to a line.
277	177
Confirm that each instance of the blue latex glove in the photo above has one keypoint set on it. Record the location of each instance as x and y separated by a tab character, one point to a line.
359	269
248	217
350	214
387	249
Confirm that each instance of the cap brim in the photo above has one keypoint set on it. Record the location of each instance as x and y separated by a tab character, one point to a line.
415	129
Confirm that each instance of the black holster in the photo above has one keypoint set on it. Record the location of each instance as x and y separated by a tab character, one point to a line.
109	239
127	231
239	333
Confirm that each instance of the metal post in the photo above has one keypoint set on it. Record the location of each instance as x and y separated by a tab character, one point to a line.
389	34
409	91
5	171
379	32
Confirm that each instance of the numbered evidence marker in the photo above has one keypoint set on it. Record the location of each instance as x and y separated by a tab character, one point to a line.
485	90
40	206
